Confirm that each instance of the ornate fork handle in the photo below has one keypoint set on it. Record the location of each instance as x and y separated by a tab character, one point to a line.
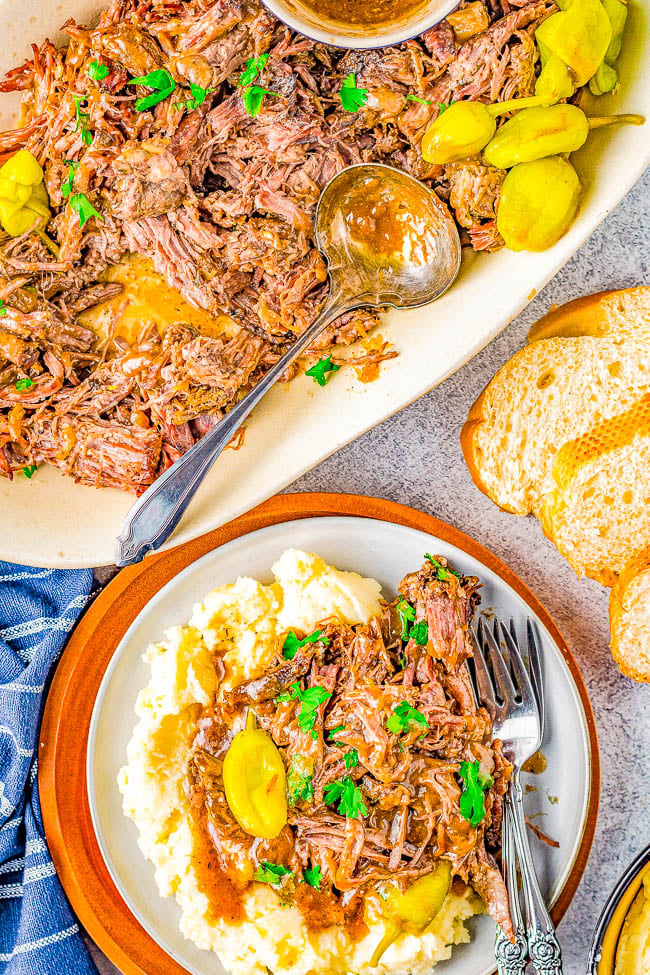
511	956
543	946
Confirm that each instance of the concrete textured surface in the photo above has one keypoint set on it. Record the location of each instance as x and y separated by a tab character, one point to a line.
415	458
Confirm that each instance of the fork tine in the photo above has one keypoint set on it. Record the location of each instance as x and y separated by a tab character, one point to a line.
535	658
525	687
484	686
502	676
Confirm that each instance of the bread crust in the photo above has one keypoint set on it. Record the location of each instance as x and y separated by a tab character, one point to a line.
583	316
638	564
468	437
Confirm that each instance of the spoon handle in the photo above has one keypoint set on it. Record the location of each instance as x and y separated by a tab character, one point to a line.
155	515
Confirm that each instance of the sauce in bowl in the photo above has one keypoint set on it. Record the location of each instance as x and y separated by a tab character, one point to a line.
368	13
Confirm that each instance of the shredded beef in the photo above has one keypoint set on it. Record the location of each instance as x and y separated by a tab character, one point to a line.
409	781
220	201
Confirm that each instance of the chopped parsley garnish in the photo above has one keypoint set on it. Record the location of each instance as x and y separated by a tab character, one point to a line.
83	118
292	644
332	735
348	795
352	98
406	615
199	95
414	98
66	185
312	876
83	206
323	366
472	800
300	779
420	633
97	71
443	106
311	699
272	873
24	383
402	716
253	97
30	471
252	68
162	83
442	573
351	759
3	308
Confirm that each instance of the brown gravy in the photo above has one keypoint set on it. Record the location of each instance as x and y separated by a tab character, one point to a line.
384	227
147	299
369	13
225	896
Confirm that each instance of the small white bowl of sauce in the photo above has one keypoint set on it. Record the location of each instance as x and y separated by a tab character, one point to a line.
360	23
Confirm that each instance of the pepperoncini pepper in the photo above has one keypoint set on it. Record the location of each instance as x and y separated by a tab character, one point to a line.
606	77
538	203
24	203
414	910
255	782
466	127
578	35
545	131
555	79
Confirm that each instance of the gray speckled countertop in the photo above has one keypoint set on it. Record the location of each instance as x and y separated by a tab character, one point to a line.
434	478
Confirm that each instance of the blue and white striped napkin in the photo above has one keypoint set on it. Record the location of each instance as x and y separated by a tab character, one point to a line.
38	932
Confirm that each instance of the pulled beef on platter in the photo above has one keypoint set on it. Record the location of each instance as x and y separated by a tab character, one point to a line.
220	201
409	782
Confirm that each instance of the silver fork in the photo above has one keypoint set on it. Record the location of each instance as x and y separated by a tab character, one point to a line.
515	704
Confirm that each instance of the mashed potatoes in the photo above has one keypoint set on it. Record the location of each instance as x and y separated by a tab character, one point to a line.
242	623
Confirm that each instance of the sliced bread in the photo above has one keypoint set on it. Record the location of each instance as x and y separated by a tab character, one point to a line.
629	618
598	511
618	315
549	393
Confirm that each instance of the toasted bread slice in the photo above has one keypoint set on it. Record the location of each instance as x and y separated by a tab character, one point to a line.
629	618
598	513
549	393
617	315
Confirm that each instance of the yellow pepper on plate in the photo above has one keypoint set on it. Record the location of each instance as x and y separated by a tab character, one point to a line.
545	131
555	78
415	909
255	782
579	35
538	203
24	203
606	77
466	127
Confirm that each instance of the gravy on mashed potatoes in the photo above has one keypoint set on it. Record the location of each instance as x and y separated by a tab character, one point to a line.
234	636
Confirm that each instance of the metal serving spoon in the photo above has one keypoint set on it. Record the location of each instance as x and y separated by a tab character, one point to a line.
387	240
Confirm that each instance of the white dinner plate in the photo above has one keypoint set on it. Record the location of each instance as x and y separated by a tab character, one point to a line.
558	805
51	521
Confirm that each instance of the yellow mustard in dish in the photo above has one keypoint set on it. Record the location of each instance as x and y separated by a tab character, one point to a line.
633	952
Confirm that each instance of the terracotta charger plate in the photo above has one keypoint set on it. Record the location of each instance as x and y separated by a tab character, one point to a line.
90	879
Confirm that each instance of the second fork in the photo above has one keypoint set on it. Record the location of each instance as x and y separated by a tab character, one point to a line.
517	722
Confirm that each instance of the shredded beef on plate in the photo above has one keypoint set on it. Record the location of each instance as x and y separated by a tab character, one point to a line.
409	782
220	201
